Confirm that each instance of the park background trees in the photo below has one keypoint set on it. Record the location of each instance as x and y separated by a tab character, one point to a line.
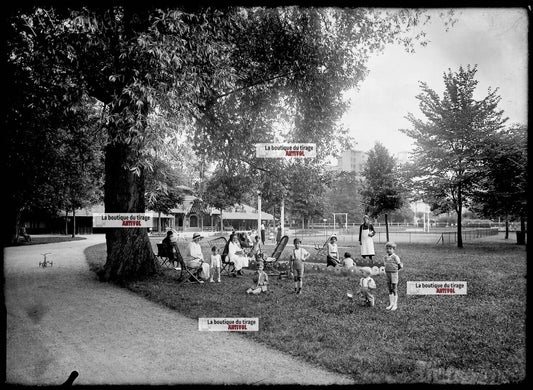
224	78
502	189
450	144
382	189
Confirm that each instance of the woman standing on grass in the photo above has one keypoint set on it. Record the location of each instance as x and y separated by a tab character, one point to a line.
366	232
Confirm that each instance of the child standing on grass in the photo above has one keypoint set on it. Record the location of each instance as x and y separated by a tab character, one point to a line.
392	265
260	279
367	284
216	264
296	264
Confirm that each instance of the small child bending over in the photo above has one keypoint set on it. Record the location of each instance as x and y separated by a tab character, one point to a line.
260	279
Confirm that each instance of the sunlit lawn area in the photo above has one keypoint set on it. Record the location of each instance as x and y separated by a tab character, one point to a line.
36	240
478	338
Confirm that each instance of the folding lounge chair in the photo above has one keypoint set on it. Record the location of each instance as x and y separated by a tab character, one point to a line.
227	266
219	242
163	255
188	274
273	266
222	245
322	249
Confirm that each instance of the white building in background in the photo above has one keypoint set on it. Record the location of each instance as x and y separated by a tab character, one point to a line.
355	160
351	161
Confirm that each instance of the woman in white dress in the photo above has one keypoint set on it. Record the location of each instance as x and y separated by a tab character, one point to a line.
236	255
195	257
366	232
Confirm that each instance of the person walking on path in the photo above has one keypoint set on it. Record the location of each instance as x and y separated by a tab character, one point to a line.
366	232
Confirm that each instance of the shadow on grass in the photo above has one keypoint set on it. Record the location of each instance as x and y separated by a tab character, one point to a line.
478	338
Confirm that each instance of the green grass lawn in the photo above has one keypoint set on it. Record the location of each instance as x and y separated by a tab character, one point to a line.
35	240
479	338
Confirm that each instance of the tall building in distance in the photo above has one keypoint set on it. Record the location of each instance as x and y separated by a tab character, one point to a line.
351	161
355	160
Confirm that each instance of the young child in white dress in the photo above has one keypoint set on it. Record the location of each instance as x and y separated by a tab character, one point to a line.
216	264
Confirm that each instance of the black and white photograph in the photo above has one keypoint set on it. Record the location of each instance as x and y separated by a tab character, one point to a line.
255	195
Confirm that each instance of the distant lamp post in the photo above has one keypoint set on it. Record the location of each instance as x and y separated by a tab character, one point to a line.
258	211
325	227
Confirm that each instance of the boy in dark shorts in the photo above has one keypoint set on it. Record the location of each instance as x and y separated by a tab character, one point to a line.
392	265
296	264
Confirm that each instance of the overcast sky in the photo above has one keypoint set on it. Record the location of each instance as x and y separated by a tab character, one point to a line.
494	39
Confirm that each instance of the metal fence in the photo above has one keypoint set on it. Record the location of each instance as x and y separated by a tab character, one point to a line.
350	237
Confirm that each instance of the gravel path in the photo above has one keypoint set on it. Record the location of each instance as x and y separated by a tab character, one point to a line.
61	319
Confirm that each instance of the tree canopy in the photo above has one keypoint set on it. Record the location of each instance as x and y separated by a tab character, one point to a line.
450	143
382	190
502	189
224	77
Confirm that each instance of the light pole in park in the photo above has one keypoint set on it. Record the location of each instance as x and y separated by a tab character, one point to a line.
325	228
259	211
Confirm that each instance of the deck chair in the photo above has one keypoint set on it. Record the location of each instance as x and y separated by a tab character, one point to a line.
221	243
272	265
187	274
227	266
321	249
163	255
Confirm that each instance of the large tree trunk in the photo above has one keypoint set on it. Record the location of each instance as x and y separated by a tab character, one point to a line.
73	222
12	238
129	251
506	227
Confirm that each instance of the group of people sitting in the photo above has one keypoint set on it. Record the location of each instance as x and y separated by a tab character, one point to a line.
210	268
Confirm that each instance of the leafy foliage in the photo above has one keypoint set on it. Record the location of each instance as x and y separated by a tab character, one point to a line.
224	77
53	153
344	196
450	144
382	190
502	191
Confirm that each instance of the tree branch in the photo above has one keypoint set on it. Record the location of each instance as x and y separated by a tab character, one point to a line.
253	84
